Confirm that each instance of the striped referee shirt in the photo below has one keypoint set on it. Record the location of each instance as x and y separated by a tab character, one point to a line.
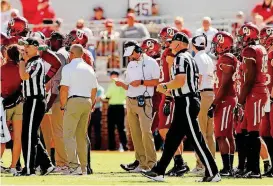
185	64
35	85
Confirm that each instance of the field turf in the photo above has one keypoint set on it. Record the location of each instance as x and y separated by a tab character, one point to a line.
108	172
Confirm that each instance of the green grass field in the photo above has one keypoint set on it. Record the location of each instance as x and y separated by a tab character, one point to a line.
108	172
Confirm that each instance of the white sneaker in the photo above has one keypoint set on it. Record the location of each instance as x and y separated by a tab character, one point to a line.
136	170
38	170
198	171
73	171
14	172
60	169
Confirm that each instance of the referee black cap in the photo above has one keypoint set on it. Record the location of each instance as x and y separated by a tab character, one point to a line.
180	36
29	41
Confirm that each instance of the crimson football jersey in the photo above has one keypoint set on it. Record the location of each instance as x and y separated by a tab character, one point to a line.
157	95
259	54
269	75
227	59
164	67
87	57
52	63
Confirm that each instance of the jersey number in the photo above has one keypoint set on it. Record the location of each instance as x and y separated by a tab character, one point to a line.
216	80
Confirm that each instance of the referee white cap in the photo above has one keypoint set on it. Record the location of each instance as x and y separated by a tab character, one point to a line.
199	41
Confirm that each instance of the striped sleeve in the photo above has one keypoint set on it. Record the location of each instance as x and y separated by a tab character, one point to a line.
180	66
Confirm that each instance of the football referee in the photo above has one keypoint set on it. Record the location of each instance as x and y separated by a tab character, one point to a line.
184	88
32	72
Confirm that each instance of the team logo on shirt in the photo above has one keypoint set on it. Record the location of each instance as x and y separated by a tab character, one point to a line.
220	38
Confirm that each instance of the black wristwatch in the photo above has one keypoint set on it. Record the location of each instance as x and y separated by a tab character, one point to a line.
62	108
142	82
164	86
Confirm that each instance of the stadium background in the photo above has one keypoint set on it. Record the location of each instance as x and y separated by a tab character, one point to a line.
222	13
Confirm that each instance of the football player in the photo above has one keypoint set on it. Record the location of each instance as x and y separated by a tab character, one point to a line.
225	98
253	94
17	29
166	106
77	36
266	130
153	48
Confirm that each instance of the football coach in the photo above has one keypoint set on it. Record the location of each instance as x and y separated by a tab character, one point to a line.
142	75
184	88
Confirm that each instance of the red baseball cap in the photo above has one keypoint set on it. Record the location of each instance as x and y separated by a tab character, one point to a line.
109	23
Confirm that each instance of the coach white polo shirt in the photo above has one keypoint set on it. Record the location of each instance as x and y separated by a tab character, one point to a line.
145	69
206	68
79	77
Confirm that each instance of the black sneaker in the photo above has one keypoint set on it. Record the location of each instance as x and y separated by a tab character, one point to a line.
225	172
215	178
239	173
131	166
24	173
89	170
178	170
252	174
269	173
267	167
153	175
48	170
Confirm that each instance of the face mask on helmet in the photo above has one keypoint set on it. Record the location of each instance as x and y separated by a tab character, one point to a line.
68	41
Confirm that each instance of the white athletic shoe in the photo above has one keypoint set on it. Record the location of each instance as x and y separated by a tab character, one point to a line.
198	171
73	171
14	172
136	170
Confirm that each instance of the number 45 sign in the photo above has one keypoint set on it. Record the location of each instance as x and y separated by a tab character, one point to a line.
141	7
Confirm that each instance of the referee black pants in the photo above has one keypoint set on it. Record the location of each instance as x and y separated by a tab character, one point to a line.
185	123
33	150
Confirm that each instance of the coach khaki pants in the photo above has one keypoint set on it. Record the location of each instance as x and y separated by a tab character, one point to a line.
206	123
75	126
140	123
57	130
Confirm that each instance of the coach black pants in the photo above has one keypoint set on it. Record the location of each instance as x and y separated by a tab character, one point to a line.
185	123
115	116
33	113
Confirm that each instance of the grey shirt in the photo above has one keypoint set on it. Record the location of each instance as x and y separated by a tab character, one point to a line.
55	81
136	31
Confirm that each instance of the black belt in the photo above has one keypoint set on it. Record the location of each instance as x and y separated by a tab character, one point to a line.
75	96
148	97
196	94
206	89
41	97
